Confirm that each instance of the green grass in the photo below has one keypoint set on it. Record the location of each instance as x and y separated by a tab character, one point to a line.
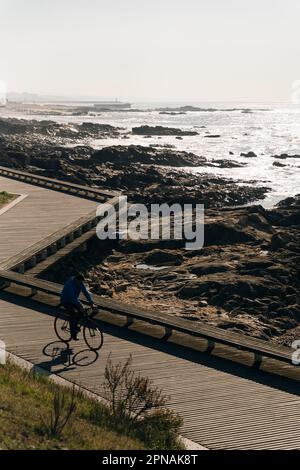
5	197
26	403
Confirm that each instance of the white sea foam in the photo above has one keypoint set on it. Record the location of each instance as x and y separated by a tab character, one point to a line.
269	129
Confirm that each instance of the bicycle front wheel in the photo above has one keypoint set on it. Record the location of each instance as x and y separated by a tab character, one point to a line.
62	329
93	336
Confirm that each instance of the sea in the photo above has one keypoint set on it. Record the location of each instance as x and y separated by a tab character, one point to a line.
266	129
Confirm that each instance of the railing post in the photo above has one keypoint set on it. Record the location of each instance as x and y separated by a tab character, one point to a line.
78	232
257	360
31	262
70	237
4	284
43	255
168	333
210	346
129	321
52	249
61	243
88	226
21	268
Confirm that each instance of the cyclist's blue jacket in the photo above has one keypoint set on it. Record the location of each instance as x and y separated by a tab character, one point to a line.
72	290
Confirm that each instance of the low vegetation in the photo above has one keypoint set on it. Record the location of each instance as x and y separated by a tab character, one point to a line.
33	411
5	197
140	406
38	414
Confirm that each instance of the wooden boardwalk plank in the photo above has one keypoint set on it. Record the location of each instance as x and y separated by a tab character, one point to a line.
224	408
239	341
224	405
42	213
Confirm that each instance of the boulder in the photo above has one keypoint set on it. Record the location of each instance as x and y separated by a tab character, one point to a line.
123	155
157	257
161	130
249	155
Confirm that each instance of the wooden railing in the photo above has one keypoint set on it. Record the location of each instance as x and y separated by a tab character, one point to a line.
38	252
87	192
46	247
170	323
41	250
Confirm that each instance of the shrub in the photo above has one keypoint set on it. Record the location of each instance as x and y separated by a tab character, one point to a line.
63	408
130	394
160	429
136	405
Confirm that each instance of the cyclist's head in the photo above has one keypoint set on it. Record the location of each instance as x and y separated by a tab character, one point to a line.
79	277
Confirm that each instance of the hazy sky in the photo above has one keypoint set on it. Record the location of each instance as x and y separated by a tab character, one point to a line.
152	50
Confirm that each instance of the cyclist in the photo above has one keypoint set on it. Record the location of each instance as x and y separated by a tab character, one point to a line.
70	300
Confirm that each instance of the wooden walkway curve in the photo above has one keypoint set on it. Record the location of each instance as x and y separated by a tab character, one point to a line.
40	214
224	405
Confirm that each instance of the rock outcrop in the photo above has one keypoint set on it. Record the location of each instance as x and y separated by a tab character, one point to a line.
161	130
245	279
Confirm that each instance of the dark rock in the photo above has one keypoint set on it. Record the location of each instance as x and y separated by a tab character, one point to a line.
279	240
172	113
222	163
249	155
284	156
157	257
280	165
202	269
56	130
161	130
146	155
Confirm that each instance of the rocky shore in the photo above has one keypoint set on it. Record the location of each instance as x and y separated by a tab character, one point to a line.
146	174
247	276
53	130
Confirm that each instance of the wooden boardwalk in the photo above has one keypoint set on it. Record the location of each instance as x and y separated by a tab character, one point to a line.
40	214
224	405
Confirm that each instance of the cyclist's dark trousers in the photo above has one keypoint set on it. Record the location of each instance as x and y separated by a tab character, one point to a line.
75	312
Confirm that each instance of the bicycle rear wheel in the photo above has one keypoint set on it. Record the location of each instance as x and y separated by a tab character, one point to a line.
93	336
62	329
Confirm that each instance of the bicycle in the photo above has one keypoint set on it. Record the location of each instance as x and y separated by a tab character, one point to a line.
92	334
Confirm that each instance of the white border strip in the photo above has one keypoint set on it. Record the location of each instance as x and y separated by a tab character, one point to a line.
13	203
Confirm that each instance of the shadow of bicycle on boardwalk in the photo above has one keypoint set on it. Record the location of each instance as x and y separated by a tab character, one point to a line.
172	349
63	355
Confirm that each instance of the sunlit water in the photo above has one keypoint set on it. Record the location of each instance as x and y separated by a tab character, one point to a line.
268	130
